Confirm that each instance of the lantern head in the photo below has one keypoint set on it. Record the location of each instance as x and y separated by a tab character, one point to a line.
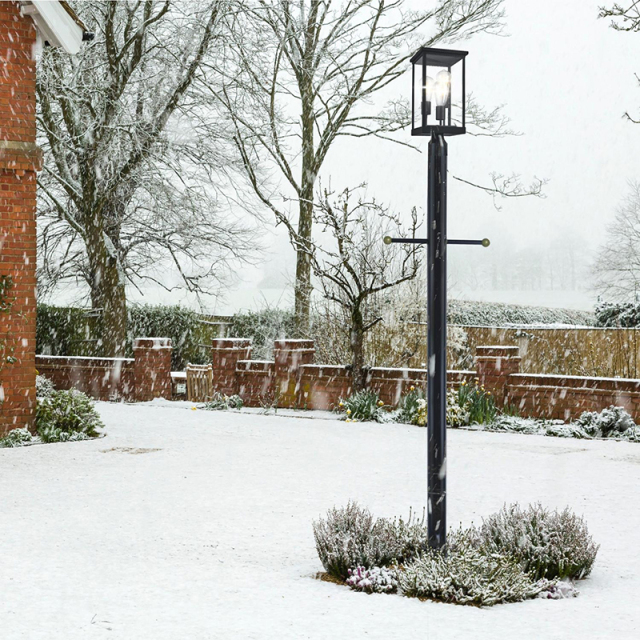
438	92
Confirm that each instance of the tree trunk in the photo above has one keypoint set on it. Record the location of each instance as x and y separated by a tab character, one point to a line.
303	287
357	351
107	284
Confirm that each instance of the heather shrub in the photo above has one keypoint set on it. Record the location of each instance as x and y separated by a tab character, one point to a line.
546	544
374	580
465	574
363	406
350	537
66	412
610	422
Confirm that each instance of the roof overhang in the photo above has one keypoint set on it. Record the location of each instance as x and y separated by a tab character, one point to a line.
56	23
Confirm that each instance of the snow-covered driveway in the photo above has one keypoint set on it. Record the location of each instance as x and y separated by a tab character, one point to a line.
190	525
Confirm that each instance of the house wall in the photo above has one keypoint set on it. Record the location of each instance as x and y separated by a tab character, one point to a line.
19	161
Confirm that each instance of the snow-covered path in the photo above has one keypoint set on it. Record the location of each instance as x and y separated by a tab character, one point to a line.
194	525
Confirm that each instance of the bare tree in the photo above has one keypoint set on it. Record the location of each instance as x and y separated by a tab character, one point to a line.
135	158
302	74
617	266
352	264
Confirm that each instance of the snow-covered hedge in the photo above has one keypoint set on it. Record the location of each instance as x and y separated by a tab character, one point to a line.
44	387
69	331
546	544
495	314
617	314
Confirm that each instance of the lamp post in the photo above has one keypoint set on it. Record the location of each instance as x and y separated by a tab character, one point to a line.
438	76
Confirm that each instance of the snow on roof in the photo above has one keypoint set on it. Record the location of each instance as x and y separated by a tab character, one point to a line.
56	23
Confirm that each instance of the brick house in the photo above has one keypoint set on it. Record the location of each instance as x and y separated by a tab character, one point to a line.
24	27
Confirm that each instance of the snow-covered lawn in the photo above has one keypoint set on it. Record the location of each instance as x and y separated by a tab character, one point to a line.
194	525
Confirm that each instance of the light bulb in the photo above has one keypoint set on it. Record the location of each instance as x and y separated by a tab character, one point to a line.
443	88
429	87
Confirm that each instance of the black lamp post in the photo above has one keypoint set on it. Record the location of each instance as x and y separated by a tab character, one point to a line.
438	110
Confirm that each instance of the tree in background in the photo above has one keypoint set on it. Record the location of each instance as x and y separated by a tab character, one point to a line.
300	76
135	157
617	265
354	267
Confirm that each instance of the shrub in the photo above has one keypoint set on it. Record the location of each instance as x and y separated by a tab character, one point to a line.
547	544
44	387
363	406
66	412
412	409
350	537
16	438
220	402
464	574
612	421
374	580
479	403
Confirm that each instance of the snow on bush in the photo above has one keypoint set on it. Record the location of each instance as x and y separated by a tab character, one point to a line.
610	422
16	438
221	402
464	574
44	387
559	590
67	415
374	580
494	314
350	537
546	544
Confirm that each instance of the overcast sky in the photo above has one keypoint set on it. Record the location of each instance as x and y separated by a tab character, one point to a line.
565	79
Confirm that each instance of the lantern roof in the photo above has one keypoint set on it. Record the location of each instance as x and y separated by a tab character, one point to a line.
438	57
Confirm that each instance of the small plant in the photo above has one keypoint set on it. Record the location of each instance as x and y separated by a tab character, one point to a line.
464	574
66	412
610	422
222	402
16	438
44	387
363	406
478	401
412	408
547	544
350	537
374	580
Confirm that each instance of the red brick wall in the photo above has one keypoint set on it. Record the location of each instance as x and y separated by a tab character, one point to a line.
19	160
101	378
152	368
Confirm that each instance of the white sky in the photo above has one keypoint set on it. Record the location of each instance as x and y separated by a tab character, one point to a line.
566	79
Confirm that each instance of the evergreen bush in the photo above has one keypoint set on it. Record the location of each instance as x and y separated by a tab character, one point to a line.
64	414
44	387
221	402
610	422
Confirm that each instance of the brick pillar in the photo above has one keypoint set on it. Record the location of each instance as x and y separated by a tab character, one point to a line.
152	368
225	354
289	356
494	366
20	158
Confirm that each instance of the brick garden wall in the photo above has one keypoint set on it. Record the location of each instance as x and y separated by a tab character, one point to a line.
139	379
19	161
293	381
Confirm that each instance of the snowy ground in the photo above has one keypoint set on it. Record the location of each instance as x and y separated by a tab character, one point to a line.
191	525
